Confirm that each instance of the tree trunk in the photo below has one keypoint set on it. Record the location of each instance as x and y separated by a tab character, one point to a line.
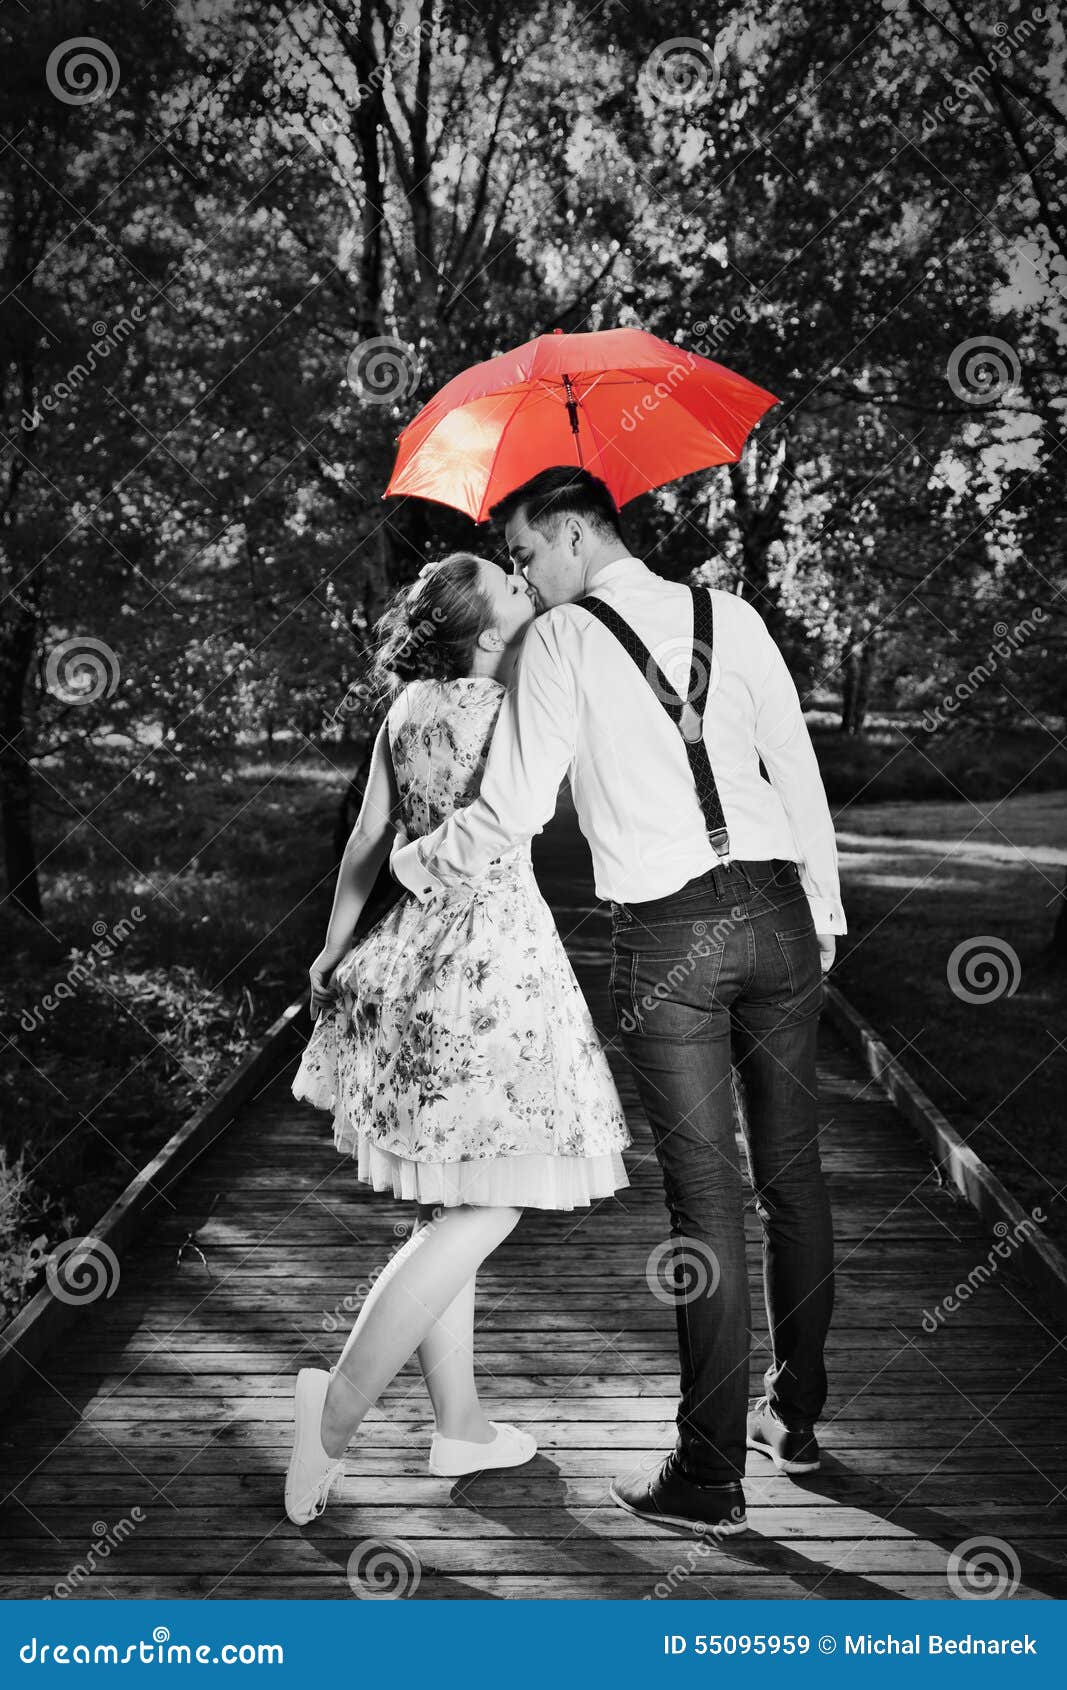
1059	932
20	850
859	670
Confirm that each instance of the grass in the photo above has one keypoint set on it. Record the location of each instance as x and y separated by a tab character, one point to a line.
232	883
920	880
895	761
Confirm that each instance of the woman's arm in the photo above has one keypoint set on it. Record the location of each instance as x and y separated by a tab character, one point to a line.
366	850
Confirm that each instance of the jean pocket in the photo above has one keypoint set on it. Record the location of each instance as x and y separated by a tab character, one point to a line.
666	995
800	952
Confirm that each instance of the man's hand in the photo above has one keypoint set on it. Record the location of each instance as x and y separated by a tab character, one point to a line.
827	950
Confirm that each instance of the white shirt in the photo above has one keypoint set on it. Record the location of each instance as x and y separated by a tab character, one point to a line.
577	705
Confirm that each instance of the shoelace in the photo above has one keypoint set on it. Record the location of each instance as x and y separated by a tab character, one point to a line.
322	1492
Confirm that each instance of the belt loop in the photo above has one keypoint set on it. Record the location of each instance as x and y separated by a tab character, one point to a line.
716	880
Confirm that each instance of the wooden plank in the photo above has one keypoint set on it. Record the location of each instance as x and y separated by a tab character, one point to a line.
1038	1257
548	1523
582	1548
175	1394
26	1339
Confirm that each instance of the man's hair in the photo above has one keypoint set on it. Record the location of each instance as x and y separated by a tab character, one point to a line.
558	492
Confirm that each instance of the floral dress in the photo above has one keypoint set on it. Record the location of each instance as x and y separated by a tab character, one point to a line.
459	1058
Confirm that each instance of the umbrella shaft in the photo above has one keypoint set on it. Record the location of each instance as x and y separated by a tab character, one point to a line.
572	412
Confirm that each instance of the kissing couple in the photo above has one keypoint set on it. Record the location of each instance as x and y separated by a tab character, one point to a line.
453	1044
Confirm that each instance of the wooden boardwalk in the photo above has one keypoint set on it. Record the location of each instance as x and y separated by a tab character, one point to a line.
160	1437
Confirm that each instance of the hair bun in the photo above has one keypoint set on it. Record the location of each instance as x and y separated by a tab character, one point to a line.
430	629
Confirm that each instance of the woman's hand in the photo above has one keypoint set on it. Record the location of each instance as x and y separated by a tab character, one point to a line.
323	991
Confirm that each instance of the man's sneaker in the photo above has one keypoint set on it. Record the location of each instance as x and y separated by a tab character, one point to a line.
668	1498
312	1473
791	1450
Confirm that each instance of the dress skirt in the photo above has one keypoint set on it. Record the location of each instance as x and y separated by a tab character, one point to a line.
459	1059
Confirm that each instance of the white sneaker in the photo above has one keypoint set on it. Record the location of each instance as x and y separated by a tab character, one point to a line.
312	1473
510	1448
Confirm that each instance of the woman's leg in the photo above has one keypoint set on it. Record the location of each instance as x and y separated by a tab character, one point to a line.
411	1294
446	1356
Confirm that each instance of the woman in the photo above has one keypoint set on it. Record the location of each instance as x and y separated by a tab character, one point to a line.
454	1047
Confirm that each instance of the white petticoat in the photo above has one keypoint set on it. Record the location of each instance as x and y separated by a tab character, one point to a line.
532	1182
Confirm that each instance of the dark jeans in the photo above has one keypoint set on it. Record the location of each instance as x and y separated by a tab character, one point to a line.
731	960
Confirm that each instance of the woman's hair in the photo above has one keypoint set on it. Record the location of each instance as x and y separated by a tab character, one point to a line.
430	629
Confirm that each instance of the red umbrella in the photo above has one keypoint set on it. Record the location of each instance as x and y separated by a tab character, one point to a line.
632	409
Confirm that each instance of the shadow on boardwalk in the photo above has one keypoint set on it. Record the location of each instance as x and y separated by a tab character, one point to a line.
153	1452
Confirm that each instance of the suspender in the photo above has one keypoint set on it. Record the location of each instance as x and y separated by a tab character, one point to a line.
687	714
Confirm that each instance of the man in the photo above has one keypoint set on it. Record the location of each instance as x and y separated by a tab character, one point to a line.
714	944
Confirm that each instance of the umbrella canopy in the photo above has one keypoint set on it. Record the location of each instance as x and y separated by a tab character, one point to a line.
630	408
